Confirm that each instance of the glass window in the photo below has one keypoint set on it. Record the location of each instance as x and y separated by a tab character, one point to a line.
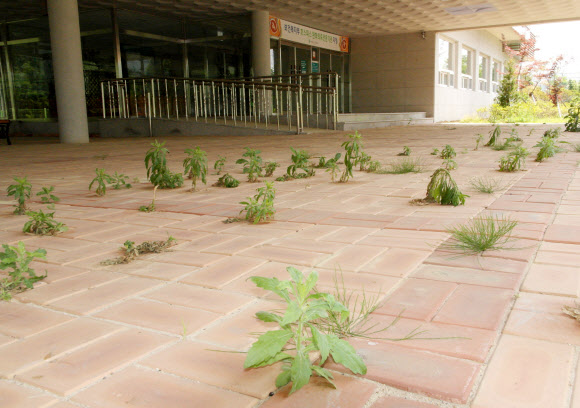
445	57
483	65
466	68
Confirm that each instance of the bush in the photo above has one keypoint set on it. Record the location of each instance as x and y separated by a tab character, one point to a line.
520	112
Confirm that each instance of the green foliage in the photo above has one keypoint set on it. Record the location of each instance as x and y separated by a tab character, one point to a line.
132	251
403	166
252	164
515	160
448	152
157	170
46	196
435	152
101	179
323	163
150	207
21	276
443	189
298	334
270	167
299	162
21	192
41	223
353	148
260	207
507	92
195	166
478	140
521	112
487	185
573	117
373	166
227	181
554	133
119	181
219	164
406	151
480	235
450	164
494	136
332	168
363	161
547	147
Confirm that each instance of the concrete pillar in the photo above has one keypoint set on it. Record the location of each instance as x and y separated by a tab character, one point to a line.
261	43
67	65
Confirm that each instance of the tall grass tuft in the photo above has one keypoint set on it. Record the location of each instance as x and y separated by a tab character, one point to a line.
487	185
481	234
403	166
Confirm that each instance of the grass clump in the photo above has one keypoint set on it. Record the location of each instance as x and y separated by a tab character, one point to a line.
553	133
403	166
494	135
515	160
548	148
480	235
442	189
487	185
21	276
132	251
41	223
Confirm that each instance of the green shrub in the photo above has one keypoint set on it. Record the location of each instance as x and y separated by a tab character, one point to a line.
300	168
573	117
480	235
515	160
353	148
195	166
260	207
21	192
157	170
443	189
21	276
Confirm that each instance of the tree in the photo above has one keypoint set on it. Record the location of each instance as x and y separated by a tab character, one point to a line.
508	87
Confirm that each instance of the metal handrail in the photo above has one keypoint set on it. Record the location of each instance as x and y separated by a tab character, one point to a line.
246	102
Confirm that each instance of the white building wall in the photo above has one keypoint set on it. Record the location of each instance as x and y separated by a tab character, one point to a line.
455	103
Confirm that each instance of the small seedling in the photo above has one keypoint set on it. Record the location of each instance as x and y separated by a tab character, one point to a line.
21	276
450	164
364	161
195	166
443	189
406	151
487	185
132	251
298	335
515	160
480	235
46	196
119	181
219	164
260	207
299	162
270	167
554	133
41	223
403	166
494	136
478	140
21	192
227	181
374	166
448	152
252	164
157	170
576	147
333	169
435	152
323	163
150	207
101	179
353	148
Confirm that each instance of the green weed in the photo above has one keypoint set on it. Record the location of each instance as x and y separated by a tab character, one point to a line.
227	181
478	140
41	223
260	207
480	235
406	151
119	181
403	166
46	196
195	166
21	276
516	160
157	170
270	167
219	164
353	148
252	164
494	136
443	189
21	192
448	152
132	251
487	185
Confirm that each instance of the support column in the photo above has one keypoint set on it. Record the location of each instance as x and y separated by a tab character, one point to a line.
67	65
261	43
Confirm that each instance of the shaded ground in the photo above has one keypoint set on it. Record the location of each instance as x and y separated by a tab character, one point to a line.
141	334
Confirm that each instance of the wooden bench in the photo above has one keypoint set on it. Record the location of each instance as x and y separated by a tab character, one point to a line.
5	130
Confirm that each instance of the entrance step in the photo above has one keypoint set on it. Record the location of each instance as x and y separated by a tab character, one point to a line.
354	121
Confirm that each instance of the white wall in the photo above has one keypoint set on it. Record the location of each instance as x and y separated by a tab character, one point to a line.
454	103
394	73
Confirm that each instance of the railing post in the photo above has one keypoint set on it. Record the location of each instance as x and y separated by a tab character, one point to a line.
103	99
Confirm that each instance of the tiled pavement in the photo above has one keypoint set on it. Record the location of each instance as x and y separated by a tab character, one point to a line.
143	334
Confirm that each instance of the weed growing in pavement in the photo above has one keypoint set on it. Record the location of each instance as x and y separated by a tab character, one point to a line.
449	164
270	167
227	181
435	152
21	276
481	234
333	169
494	135
406	151
442	189
554	133
353	148
101	179
132	251
119	181
195	166
478	140
157	170
548	148
41	223
373	166
46	196
219	164
324	163
364	161
150	207
448	152
572	311
21	192
298	334
300	168
515	160
260	207
252	164
403	166
487	185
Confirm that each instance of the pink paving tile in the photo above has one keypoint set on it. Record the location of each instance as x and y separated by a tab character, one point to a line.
235	245
526	373
144	388
86	365
543	326
17	396
349	392
396	402
399	242
352	257
417	299
422	372
540	303
476	306
576	394
159	316
309	245
199	259
217	301
55	272
33	350
469	276
18	320
348	235
552	279
79	254
204	242
477	262
222	272
315	232
200	362
286	255
258	230
557	258
398	262
329	280
567	234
